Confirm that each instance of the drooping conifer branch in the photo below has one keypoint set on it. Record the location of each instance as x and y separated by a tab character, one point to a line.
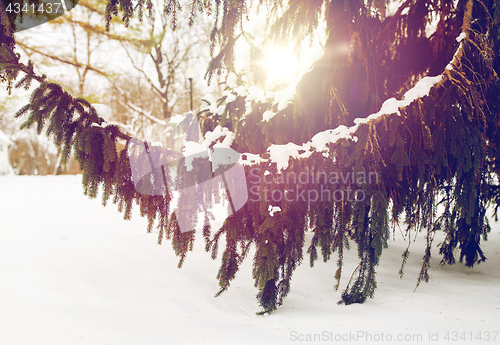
76	127
426	145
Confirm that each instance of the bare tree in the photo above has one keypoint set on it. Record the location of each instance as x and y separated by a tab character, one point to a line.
162	56
143	87
74	53
75	50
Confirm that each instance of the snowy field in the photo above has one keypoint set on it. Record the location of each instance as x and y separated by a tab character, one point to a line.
74	272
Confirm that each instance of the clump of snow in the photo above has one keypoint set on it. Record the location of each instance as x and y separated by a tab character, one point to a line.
176	119
248	108
211	103
322	139
461	37
220	110
230	98
228	140
103	111
218	132
273	209
392	105
241	91
231	80
209	98
106	113
285	97
252	94
280	154
255	94
422	88
191	151
251	159
268	115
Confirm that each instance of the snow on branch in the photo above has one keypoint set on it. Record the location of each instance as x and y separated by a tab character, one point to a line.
281	154
211	137
392	105
252	93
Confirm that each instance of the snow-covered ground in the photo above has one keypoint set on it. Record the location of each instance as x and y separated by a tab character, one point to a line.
74	272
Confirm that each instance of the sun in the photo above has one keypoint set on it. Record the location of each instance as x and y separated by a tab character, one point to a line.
281	65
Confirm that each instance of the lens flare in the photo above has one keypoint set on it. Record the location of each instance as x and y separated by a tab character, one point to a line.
281	65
